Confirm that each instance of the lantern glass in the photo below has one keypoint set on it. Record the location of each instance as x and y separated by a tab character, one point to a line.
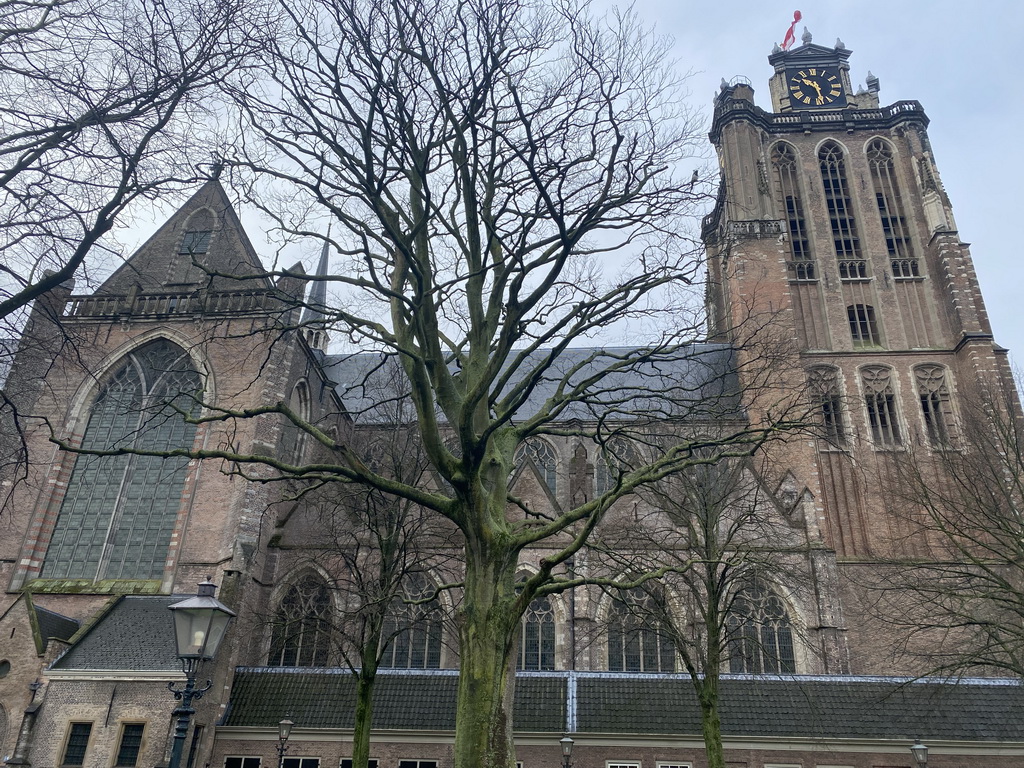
920	753
199	624
566	743
284	729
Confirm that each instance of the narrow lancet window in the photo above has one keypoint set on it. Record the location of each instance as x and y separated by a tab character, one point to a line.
880	402
936	405
891	210
852	265
784	162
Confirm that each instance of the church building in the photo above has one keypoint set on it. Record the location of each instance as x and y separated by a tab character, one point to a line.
831	220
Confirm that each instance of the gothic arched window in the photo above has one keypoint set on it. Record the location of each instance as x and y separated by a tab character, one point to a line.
618	456
760	633
936	405
880	401
302	628
784	162
541	456
827	401
638	640
537	636
119	512
412	630
840	212
890	208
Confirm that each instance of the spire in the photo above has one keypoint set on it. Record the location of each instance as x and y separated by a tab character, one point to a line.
316	305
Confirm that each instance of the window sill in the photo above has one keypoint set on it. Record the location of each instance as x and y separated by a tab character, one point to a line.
89	587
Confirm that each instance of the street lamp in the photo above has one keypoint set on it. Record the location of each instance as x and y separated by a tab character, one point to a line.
284	730
199	626
920	753
566	743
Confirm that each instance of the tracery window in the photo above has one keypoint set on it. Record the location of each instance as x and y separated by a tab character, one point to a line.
195	242
784	162
863	326
638	640
880	401
840	212
891	211
412	630
827	401
936	405
617	456
301	634
119	512
760	633
537	636
541	456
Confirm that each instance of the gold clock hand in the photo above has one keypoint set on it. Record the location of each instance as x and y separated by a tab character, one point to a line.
813	85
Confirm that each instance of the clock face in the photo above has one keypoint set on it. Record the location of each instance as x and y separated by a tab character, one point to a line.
816	87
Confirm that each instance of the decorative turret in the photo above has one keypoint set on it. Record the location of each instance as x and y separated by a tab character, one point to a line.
314	325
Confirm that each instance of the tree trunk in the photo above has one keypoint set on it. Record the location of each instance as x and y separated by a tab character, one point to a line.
483	729
711	721
365	705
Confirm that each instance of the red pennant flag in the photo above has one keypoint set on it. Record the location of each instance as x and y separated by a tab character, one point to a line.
790	37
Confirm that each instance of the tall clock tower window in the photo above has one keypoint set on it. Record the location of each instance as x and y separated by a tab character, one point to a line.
891	210
880	401
784	162
852	265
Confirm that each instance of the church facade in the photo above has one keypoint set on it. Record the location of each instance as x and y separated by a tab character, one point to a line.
831	220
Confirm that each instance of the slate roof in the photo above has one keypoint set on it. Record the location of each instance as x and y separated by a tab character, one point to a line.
769	707
136	635
54	625
326	699
695	382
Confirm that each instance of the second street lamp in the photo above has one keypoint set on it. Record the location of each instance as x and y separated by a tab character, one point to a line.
199	626
284	730
566	742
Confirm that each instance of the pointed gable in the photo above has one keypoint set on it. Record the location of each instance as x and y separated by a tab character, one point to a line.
203	245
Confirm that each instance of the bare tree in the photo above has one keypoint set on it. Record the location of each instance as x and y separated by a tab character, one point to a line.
506	181
379	551
957	597
697	561
101	104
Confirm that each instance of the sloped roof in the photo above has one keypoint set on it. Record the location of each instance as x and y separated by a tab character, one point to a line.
781	707
326	699
136	635
158	266
694	382
53	625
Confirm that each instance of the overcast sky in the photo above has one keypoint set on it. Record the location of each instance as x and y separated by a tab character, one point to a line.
961	60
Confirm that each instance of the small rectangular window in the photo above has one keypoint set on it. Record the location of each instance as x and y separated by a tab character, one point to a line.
674	765
242	762
77	743
417	764
863	327
301	762
195	242
346	762
131	743
619	764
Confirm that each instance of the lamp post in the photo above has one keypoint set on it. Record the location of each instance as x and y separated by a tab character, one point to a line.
920	753
566	743
199	626
284	730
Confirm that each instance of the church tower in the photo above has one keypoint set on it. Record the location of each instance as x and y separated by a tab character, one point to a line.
832	218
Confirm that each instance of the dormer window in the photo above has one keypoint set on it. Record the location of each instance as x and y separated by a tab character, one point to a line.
195	241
